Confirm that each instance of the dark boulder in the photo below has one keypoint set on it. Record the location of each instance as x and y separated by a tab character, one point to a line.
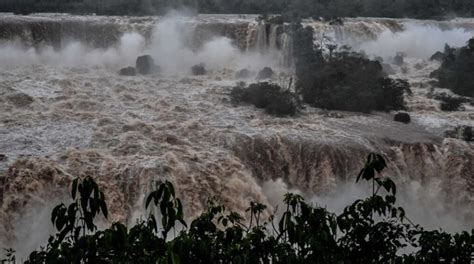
128	71
20	99
199	69
265	73
450	103
438	56
242	74
145	64
467	133
398	59
402	117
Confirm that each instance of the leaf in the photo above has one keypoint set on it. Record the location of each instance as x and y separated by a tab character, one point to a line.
360	175
103	208
55	212
74	188
170	188
149	198
390	186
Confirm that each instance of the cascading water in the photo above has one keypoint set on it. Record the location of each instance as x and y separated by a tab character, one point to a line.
65	112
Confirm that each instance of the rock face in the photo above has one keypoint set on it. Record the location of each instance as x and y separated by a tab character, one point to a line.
199	69
128	71
438	56
402	117
265	73
457	70
145	64
242	74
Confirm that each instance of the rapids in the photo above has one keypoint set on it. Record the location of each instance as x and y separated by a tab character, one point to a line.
66	112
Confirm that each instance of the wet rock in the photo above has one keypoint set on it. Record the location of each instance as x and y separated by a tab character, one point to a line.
242	74
20	99
402	117
467	133
128	71
450	103
3	157
438	56
265	73
199	69
398	59
145	64
461	132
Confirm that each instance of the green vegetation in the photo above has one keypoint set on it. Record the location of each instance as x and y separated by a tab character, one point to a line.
343	80
268	96
290	8
457	70
372	230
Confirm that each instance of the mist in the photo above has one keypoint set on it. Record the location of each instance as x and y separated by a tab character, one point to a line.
417	41
12	54
424	203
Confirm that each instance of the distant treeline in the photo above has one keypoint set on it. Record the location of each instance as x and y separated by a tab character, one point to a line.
437	9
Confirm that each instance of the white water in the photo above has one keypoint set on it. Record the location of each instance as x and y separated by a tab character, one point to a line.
416	41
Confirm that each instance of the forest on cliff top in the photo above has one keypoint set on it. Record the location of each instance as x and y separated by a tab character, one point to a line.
423	9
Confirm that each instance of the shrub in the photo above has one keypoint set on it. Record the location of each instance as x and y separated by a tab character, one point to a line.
345	80
267	96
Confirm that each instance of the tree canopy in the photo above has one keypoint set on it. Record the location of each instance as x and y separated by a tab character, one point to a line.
301	8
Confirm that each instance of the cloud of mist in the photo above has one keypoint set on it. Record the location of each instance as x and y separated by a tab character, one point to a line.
173	55
424	204
33	227
418	41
